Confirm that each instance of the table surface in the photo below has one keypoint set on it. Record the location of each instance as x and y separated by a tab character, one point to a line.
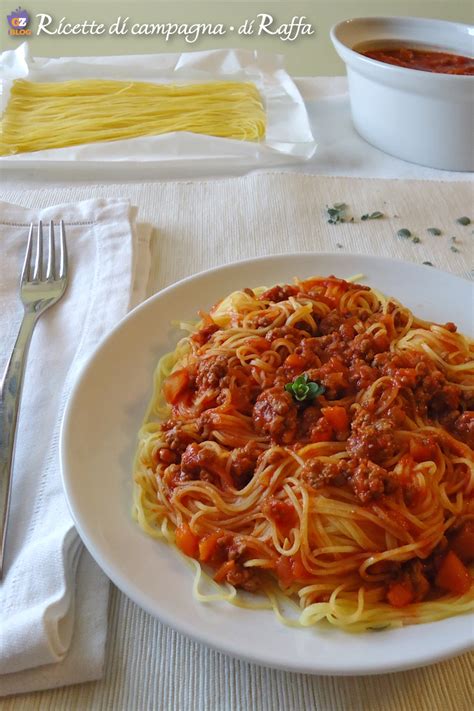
150	666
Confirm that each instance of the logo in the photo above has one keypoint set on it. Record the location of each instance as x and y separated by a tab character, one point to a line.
18	20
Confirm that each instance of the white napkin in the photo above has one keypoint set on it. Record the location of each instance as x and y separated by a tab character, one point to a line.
53	598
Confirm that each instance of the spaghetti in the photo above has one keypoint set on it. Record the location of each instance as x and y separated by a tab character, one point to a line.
40	116
316	440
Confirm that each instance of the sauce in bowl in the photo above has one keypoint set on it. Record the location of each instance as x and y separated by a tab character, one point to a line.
423	60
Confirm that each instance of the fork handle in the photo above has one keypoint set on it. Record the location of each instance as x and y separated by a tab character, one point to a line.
10	396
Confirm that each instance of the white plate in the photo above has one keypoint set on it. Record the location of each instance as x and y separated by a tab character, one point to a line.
98	443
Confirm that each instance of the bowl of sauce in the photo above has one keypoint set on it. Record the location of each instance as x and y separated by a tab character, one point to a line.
411	87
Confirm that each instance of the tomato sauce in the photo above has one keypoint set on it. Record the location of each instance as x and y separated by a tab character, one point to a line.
423	60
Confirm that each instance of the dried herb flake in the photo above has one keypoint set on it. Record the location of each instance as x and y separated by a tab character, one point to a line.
337	213
404	233
377	215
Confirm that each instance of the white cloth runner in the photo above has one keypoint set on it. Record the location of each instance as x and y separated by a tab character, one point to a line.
53	600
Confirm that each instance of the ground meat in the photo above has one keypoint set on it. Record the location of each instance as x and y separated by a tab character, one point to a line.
372	437
414	371
275	415
243	464
334	375
307	419
202	463
366	479
176	437
388	362
407	370
370	481
279	293
211	372
365	346
463	427
195	459
347	330
245	578
318	473
414	572
288	332
331	322
310	350
362	375
332	345
444	397
262	320
229	547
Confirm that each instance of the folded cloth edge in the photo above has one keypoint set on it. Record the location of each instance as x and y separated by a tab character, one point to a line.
55	617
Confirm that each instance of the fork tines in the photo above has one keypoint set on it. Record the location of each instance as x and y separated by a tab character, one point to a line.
36	246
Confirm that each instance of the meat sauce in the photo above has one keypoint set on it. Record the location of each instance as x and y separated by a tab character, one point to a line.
343	354
423	60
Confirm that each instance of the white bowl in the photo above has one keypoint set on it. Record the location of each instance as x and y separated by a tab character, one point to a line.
419	116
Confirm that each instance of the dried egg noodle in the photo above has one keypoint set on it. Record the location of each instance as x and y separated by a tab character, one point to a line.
40	116
314	442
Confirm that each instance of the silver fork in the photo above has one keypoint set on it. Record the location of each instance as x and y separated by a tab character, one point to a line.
38	292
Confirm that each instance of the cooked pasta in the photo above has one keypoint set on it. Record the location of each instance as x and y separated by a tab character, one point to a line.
40	116
316	440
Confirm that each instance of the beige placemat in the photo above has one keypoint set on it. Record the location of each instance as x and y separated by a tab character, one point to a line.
207	223
203	224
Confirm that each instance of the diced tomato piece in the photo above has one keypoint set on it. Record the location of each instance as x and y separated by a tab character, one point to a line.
208	545
322	432
299	570
381	341
337	417
400	594
224	570
284	570
175	385
204	334
187	541
290	569
260	344
462	543
207	319
453	575
295	361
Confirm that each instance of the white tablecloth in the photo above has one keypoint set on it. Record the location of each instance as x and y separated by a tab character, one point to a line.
149	666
